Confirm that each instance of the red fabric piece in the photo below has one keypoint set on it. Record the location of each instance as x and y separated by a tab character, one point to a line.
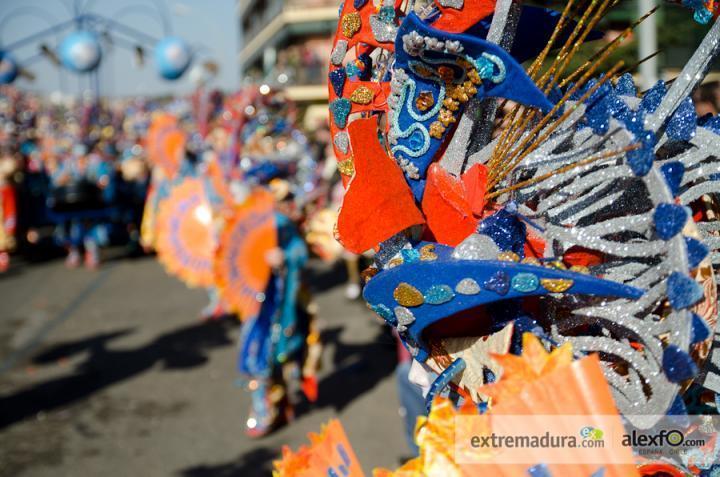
534	244
457	21
447	212
475	181
378	202
577	255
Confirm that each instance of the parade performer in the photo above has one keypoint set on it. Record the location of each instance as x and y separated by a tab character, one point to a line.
583	223
9	165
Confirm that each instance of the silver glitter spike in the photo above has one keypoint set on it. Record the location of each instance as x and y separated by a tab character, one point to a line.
382	31
342	141
404	316
338	53
456	4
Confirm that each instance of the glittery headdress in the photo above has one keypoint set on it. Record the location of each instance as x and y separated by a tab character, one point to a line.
580	214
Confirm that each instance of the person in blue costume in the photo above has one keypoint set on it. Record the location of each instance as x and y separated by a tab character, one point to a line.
82	187
279	348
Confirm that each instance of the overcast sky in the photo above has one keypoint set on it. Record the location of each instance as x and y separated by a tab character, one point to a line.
210	23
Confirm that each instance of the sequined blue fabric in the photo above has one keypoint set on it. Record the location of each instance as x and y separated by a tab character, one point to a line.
669	220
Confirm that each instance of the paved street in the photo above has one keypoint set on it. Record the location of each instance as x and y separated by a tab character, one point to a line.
110	373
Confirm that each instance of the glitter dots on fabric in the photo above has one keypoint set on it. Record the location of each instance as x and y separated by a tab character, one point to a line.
351	23
346	167
407	295
340	109
362	95
524	282
556	285
337	80
439	294
498	283
385	313
467	286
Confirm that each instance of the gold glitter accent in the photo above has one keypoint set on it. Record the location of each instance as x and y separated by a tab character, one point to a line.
531	261
368	273
362	95
557	264
508	257
346	167
437	130
424	101
446	117
556	285
464	64
470	88
451	104
395	262
474	76
427	252
446	74
351	24
457	92
407	295
580	269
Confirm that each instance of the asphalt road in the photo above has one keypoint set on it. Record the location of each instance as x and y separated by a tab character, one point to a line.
111	373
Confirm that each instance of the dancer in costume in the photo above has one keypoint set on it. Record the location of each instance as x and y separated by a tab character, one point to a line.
583	224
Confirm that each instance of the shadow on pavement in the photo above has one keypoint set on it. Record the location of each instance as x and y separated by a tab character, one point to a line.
257	462
357	368
180	349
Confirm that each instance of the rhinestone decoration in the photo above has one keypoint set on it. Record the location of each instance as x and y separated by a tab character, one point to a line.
524	282
508	257
476	247
407	295
556	285
669	220
362	95
340	109
467	286
677	364
385	313
342	141
395	262
337	80
499	283
427	253
439	294
383	32
404	316
424	101
683	291
351	24
346	167
338	53
410	255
